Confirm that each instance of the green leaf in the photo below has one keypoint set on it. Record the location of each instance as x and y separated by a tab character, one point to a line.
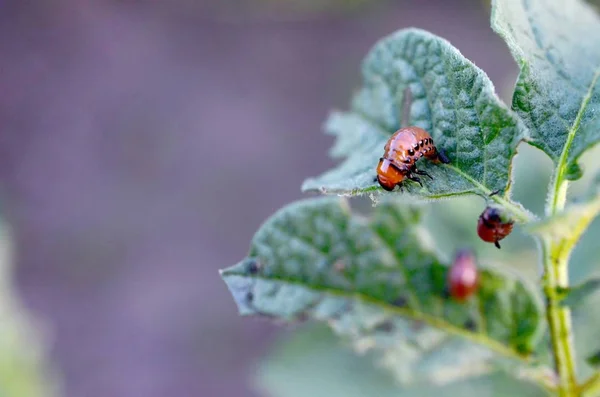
25	369
556	46
570	224
379	282
575	295
312	363
446	95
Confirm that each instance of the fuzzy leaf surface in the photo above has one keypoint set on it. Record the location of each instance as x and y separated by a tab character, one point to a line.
446	95
378	282
555	44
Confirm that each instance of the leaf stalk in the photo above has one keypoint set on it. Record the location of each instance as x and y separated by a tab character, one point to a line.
555	257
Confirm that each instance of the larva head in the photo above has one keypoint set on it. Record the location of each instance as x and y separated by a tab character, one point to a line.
389	174
463	277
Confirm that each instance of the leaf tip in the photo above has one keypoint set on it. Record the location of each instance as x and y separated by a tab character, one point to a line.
240	288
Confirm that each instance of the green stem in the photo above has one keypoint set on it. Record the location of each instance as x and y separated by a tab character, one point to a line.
556	253
559	317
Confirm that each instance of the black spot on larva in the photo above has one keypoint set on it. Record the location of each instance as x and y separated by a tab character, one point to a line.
411	152
249	297
421	143
407	160
400	302
417	145
470	325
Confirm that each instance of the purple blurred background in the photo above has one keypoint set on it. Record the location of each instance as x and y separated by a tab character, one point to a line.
143	143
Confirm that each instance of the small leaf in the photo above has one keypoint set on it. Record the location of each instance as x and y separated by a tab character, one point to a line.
576	294
449	97
574	172
556	46
378	282
594	359
571	223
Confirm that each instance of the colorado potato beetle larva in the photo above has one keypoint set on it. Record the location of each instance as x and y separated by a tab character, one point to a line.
401	153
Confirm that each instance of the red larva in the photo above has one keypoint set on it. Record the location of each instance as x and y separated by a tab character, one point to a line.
463	277
401	153
491	228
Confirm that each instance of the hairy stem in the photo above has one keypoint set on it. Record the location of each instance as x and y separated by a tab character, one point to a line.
556	253
559	317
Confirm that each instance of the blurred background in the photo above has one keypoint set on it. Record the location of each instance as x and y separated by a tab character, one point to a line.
142	143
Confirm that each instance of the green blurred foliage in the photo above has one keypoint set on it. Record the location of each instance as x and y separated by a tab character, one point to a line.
24	368
313	363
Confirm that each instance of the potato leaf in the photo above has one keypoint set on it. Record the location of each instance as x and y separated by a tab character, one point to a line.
378	282
557	94
573	296
446	95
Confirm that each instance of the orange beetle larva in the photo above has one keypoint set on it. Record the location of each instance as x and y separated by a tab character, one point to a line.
401	152
491	227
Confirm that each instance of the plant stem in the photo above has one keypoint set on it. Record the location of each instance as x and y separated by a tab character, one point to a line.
556	253
559	317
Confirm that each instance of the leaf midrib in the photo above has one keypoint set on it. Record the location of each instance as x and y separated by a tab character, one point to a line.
435	322
561	167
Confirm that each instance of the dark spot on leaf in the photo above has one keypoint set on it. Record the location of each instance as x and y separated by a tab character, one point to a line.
253	267
386	326
470	325
400	302
249	297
